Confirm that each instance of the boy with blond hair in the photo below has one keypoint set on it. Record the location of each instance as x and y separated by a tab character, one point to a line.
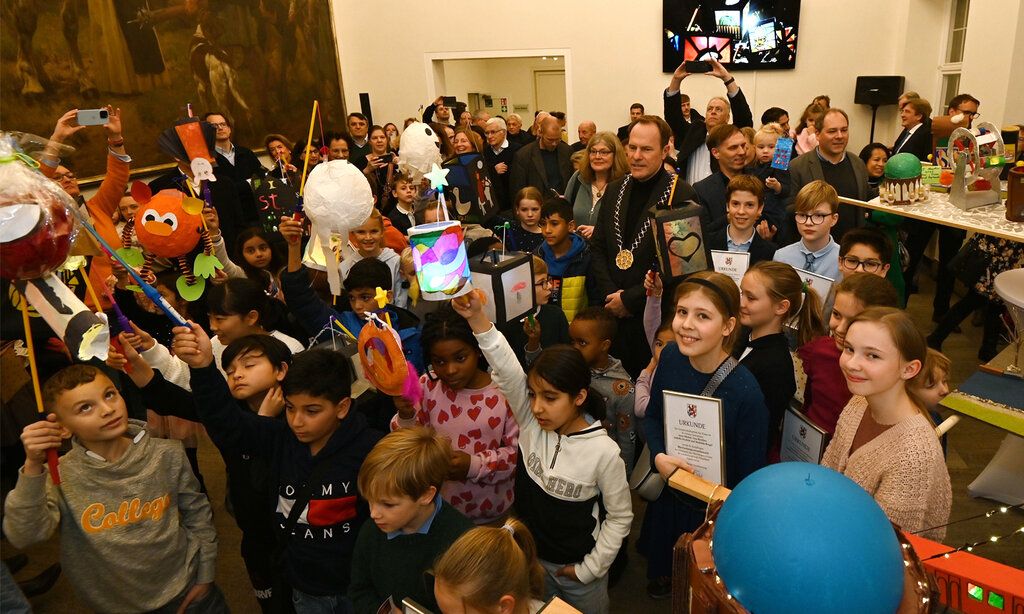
817	211
412	525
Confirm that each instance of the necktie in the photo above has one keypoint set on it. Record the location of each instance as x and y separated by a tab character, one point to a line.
899	142
809	261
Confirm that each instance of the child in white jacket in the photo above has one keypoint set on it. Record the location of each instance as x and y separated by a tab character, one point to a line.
571	489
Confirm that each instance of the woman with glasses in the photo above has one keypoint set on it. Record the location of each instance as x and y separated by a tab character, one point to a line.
601	162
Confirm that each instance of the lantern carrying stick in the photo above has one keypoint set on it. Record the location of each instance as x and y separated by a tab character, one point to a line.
51	454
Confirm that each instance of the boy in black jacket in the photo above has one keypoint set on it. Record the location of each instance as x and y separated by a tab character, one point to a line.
315	459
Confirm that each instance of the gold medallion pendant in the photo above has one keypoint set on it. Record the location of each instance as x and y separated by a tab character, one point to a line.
624	259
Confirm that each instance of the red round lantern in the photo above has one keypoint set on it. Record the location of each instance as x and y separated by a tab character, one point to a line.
35	235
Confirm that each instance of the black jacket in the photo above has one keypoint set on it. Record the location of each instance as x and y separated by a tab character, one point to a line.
501	182
919	143
760	249
528	169
604	276
318	555
246	164
771	364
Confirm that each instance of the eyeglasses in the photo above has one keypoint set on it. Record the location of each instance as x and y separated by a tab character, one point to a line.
815	218
600	152
869	266
544	283
218	124
971	114
62	176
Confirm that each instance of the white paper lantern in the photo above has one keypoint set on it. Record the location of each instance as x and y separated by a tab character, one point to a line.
337	196
337	199
419	150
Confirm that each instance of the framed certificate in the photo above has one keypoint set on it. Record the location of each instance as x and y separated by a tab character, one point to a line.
733	264
802	440
694	433
821	284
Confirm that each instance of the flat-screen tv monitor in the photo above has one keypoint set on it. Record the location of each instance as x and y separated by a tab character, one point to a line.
741	34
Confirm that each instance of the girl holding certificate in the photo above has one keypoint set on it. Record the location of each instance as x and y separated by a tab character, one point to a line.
705	327
885	440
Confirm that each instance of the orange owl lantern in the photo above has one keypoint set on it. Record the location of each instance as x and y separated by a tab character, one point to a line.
170	225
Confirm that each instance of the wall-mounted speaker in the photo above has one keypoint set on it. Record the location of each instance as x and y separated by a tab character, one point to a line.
878	90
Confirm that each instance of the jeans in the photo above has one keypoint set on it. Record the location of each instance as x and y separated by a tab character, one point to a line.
12	600
211	603
321	604
589	598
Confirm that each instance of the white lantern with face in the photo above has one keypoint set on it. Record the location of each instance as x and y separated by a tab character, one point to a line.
420	150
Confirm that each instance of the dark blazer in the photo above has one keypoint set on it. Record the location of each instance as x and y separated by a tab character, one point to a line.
521	139
691	135
577	146
500	187
919	143
760	249
246	164
623	132
528	169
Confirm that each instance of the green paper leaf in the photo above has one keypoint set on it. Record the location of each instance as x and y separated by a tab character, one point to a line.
132	255
193	292
206	265
134	288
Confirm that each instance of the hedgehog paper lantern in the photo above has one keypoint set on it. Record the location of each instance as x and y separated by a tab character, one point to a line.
169	225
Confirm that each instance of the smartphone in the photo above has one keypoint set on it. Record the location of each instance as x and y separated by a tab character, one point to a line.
449	101
93	117
386	158
697	67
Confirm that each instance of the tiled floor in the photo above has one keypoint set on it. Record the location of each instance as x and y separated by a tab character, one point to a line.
971	446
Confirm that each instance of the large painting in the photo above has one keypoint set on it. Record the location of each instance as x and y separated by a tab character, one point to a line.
260	61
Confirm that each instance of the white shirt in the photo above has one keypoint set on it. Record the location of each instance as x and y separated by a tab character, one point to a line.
699	165
229	153
503	147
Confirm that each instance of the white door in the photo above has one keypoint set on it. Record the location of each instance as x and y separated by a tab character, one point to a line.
549	90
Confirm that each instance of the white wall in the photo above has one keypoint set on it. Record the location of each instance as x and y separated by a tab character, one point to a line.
993	67
511	78
613	54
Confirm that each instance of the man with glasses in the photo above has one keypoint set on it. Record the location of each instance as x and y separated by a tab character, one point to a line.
545	164
104	202
239	162
961	112
498	155
622	246
832	163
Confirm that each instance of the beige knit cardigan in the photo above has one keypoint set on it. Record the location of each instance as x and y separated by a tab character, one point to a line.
903	469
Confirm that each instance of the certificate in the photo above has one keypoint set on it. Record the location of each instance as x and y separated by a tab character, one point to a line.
821	284
733	264
694	433
802	440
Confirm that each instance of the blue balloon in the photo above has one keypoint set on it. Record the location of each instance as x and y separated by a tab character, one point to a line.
796	537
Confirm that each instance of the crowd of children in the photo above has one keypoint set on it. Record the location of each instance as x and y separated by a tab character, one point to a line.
503	481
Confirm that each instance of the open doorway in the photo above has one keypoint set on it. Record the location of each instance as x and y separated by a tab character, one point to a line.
504	82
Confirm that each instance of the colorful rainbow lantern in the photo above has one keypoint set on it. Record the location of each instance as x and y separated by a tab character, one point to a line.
439	255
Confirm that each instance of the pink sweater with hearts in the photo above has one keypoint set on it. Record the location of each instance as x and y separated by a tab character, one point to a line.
480	423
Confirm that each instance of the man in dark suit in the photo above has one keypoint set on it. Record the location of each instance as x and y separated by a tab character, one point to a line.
832	163
235	160
745	197
498	155
916	137
622	247
545	164
729	148
695	160
586	130
635	111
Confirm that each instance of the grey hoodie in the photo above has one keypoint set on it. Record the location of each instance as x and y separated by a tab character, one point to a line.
616	388
134	534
